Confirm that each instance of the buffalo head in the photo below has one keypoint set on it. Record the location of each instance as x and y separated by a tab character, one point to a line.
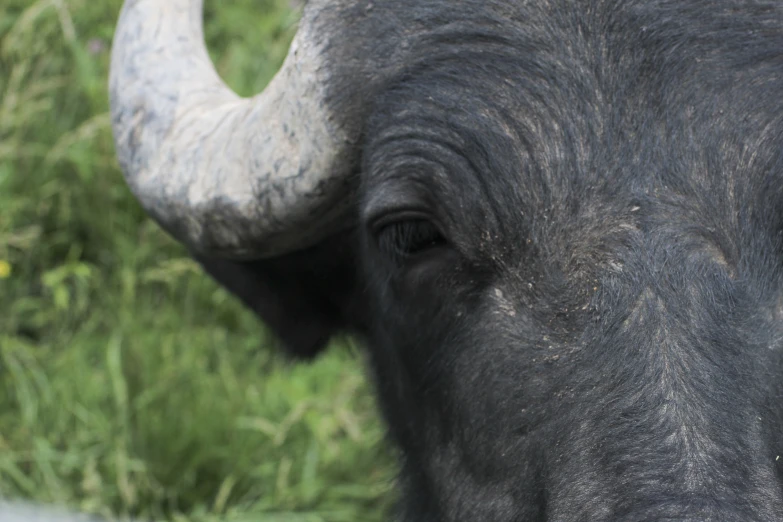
556	225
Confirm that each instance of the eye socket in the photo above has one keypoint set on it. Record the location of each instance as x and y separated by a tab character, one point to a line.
408	238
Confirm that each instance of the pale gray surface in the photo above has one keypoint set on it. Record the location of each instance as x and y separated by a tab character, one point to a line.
228	176
19	512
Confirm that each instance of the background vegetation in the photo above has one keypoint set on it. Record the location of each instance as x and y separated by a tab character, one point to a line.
129	383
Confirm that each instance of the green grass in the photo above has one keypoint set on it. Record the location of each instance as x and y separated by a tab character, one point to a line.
130	384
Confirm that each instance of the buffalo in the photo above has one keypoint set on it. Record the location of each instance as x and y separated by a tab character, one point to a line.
555	225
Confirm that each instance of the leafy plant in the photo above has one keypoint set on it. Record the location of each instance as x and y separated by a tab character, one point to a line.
130	384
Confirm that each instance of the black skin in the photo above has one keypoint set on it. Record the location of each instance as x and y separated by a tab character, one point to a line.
566	263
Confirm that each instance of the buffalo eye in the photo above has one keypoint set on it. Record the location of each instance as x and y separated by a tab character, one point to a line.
404	239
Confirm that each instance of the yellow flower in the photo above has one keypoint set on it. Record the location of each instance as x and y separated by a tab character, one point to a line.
5	269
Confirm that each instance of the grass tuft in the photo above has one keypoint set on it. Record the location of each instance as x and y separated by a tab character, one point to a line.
129	383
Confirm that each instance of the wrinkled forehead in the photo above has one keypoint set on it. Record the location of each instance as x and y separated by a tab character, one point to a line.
480	136
540	137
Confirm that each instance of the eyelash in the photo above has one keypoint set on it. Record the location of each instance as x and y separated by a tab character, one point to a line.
406	239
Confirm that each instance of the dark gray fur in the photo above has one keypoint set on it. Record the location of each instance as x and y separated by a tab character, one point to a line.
594	333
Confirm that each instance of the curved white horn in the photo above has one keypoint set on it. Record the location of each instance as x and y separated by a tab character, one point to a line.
228	176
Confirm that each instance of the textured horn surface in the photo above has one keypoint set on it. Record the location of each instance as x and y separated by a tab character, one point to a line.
241	178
